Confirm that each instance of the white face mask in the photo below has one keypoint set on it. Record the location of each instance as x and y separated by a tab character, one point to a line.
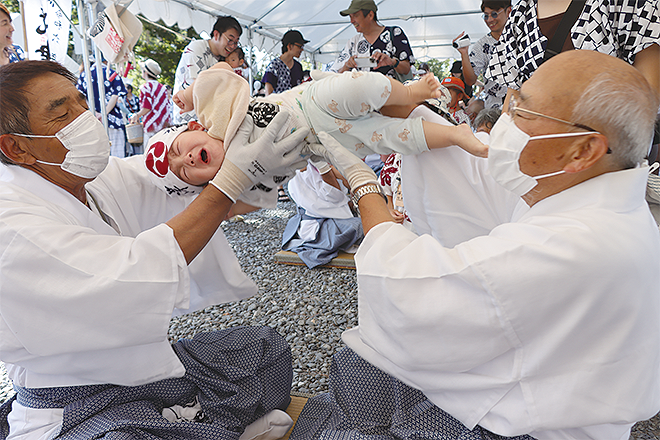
88	145
507	142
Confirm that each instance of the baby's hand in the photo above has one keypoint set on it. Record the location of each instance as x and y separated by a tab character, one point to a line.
468	142
180	100
397	216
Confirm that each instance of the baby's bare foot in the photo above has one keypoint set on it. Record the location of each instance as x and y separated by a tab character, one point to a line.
426	87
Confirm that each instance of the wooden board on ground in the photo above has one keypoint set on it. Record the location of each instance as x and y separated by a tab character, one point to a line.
293	410
341	261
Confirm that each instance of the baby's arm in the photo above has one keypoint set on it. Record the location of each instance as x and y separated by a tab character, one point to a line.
184	98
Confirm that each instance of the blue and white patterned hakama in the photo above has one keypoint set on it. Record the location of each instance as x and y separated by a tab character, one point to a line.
365	403
237	376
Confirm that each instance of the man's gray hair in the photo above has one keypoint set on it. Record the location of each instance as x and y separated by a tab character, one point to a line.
625	110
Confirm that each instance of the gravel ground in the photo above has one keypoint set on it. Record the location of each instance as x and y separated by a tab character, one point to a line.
311	308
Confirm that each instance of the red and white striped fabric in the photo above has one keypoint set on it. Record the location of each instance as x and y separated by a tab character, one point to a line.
153	95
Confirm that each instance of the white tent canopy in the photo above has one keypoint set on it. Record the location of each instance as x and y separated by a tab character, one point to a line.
429	24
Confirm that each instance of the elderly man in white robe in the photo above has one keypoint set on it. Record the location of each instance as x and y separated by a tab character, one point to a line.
96	260
540	320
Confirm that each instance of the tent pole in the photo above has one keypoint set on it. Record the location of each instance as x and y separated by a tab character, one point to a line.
25	45
81	19
250	66
99	71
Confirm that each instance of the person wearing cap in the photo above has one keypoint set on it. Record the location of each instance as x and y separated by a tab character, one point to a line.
154	103
286	72
456	88
457	71
114	89
387	45
199	55
474	59
9	52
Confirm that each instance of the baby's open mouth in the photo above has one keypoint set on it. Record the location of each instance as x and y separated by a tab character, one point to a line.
204	156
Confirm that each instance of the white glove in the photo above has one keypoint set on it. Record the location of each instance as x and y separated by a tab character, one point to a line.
349	165
321	165
247	163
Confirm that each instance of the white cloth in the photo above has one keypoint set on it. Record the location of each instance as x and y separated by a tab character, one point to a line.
103	301
547	325
316	197
470	204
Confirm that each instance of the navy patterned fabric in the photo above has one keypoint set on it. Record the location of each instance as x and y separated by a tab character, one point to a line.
113	86
392	42
281	77
16	53
237	375
364	403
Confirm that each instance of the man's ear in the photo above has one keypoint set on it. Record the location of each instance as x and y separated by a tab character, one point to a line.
215	35
13	149
587	152
194	125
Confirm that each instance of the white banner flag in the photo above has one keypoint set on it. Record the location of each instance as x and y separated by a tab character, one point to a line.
47	29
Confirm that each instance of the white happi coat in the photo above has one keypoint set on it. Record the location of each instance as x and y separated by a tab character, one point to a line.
80	304
545	324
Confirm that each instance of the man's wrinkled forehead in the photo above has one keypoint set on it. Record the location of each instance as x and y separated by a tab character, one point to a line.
50	92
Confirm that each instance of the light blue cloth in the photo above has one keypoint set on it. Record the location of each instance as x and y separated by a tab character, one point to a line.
333	235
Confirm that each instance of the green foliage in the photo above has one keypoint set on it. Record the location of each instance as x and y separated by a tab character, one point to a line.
12	5
440	69
161	46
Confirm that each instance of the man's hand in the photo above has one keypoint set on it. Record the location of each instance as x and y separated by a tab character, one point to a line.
462	50
247	163
349	165
348	65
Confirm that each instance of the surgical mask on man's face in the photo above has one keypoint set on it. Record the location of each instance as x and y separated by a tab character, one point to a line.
507	142
88	145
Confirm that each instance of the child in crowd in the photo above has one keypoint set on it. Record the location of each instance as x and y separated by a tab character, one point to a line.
456	87
236	60
342	105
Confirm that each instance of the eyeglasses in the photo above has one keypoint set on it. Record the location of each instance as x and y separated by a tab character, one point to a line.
230	41
513	108
299	45
493	14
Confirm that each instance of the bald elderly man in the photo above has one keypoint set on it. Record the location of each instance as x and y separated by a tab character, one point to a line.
97	259
545	325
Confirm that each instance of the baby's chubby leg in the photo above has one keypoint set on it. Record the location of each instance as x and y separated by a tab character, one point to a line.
440	136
